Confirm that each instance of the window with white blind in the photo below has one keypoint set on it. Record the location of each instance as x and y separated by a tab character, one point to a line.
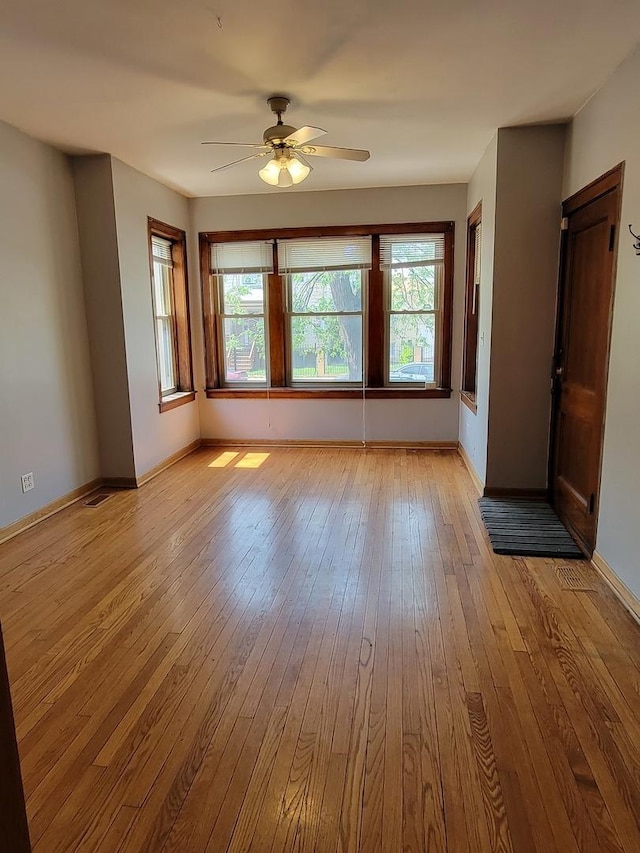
413	268
310	310
240	272
166	343
472	307
325	282
170	310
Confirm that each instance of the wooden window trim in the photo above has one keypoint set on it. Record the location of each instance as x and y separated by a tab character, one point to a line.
471	318
327	231
176	400
469	400
334	393
185	392
374	323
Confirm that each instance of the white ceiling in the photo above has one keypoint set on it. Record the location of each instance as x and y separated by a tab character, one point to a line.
422	84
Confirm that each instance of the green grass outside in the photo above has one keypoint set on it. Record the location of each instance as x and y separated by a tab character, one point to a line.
306	372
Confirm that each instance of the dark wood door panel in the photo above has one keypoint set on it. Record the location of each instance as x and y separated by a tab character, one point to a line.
586	298
582	355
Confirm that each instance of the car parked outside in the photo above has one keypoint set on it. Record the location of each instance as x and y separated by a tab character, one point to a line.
413	372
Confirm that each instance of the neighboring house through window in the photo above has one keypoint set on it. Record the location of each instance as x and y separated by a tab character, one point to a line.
240	272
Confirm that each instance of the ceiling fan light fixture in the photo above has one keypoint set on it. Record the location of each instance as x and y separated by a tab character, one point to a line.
288	145
284	171
298	170
270	174
285	179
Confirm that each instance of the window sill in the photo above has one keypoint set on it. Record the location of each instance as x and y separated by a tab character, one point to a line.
172	401
329	393
469	400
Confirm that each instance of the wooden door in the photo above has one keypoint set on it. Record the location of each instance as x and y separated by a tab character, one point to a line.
582	353
14	831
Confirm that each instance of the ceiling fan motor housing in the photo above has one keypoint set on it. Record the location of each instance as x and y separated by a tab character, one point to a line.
277	134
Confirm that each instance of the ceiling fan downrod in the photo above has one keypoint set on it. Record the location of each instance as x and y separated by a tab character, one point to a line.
278	105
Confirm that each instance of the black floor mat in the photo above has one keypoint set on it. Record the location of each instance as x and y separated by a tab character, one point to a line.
526	528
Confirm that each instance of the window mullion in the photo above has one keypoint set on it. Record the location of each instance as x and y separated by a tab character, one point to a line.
376	320
276	325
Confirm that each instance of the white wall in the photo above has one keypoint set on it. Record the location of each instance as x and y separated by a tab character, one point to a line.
385	420
47	420
155	435
604	133
474	426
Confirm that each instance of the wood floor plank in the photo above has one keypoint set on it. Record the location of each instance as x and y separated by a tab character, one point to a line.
318	654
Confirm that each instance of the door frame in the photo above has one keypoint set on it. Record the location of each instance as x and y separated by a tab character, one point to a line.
608	182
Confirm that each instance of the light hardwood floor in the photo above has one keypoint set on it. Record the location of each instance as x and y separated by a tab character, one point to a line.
315	650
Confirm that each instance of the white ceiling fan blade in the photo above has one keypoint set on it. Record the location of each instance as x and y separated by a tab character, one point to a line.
242	160
241	144
303	135
337	153
298	154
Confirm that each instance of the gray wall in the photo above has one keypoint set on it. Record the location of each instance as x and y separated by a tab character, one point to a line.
114	202
334	420
474	425
47	420
519	181
604	133
525	284
135	196
101	274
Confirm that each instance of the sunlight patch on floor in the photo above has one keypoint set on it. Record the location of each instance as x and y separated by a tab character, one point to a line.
252	460
223	459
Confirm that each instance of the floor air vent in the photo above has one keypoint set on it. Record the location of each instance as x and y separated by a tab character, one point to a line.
577	579
96	500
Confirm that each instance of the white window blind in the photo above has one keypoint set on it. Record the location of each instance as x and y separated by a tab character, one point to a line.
161	251
477	253
324	253
411	250
250	257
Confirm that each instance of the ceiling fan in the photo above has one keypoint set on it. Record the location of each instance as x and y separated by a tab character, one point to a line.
289	148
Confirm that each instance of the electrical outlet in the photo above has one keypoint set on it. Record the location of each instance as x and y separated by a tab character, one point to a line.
27	482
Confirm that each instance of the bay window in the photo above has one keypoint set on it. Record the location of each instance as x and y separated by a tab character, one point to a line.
335	311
